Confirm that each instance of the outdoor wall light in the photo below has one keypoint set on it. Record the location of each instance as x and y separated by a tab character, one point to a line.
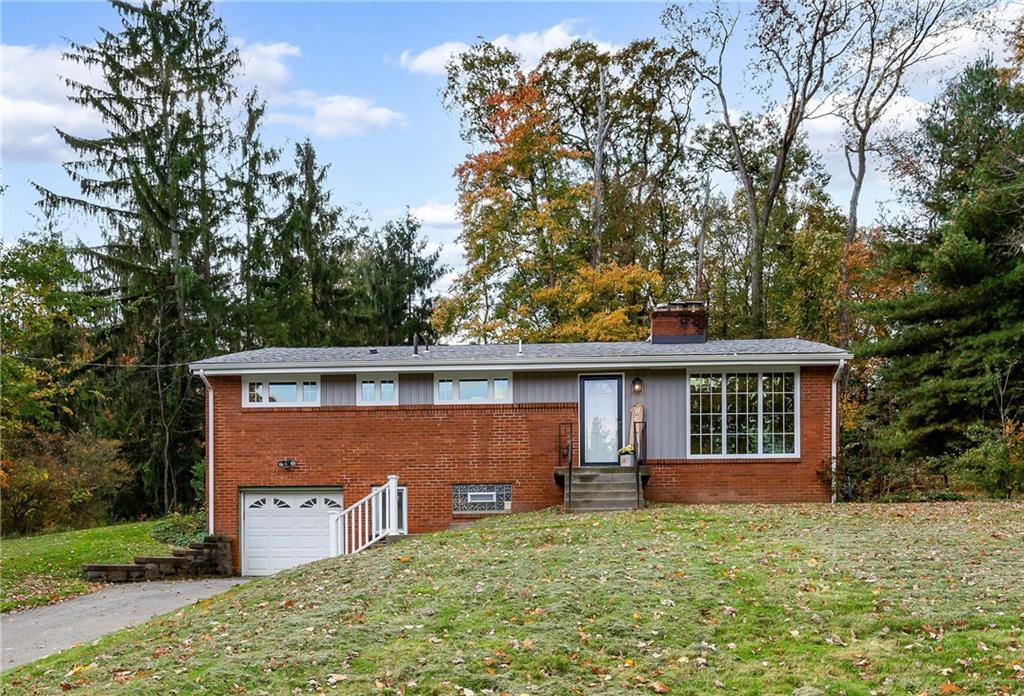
638	385
286	464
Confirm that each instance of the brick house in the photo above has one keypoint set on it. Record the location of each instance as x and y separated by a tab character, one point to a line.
295	436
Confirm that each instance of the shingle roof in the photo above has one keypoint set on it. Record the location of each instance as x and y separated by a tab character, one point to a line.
508	354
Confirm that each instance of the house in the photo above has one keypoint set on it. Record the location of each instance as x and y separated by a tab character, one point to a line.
296	435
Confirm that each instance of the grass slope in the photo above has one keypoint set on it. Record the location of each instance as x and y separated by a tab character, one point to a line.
853	599
45	568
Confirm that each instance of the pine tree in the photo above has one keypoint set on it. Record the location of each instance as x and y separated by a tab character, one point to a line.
253	182
952	359
153	183
397	275
307	294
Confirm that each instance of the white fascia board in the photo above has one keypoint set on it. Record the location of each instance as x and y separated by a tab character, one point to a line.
632	363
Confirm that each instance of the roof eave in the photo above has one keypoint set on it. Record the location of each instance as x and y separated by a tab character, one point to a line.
520	364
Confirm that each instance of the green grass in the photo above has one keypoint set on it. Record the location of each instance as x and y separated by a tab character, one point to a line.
848	599
44	568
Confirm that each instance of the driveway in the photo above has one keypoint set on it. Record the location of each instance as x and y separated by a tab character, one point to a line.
34	633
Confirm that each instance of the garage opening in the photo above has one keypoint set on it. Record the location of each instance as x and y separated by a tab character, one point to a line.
283	528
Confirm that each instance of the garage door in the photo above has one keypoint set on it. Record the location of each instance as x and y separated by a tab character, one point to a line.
286	528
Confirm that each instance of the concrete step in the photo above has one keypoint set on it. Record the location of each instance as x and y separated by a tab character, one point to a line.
617	486
602	505
604	495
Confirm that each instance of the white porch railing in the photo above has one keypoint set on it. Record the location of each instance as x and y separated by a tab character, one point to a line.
366	522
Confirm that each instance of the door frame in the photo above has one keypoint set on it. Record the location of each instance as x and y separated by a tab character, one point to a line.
620	377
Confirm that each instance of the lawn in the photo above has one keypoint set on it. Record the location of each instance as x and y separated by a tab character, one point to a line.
848	599
44	568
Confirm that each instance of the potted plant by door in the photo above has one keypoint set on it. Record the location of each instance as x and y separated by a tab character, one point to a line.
626	456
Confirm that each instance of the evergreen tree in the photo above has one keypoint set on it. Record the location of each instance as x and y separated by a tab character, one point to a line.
952	358
397	275
253	182
152	181
307	294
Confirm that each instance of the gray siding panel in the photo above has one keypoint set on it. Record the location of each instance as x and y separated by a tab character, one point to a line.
338	390
544	387
416	388
663	397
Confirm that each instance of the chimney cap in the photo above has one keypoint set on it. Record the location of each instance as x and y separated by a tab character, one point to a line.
683	304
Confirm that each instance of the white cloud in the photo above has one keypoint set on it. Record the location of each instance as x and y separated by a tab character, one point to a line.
264	66
34	102
334	115
530	46
433	60
443	215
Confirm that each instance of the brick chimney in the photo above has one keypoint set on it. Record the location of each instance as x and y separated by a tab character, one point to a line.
680	322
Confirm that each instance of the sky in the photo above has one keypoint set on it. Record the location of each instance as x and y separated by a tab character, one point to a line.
363	82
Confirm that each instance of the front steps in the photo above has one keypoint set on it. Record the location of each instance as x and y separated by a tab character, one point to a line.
598	488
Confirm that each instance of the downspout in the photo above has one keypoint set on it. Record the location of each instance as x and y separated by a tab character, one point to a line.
835	423
209	450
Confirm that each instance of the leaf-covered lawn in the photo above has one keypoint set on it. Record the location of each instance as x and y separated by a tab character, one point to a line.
45	568
854	599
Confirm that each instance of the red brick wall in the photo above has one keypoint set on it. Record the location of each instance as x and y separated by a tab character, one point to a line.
429	447
432	447
764	480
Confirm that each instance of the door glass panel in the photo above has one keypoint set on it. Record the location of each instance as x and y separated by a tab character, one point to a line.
601	403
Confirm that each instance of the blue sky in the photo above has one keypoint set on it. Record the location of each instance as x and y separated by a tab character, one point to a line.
361	80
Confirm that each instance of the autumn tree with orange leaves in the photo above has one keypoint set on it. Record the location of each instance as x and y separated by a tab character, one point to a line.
527	237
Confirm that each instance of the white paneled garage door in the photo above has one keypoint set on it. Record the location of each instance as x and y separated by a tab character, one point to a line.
286	528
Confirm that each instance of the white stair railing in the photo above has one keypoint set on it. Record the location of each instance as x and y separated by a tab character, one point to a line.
367	521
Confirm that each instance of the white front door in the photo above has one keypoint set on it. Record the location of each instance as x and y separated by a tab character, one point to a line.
286	527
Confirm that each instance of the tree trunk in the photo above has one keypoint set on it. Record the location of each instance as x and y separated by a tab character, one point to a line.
858	173
705	219
597	211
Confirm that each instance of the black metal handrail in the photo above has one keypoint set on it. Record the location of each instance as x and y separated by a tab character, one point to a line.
565	435
639	456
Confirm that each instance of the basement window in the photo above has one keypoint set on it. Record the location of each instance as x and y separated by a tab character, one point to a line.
279	390
471	498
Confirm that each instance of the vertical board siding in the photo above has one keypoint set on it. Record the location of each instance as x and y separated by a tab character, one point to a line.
416	388
544	387
663	397
338	390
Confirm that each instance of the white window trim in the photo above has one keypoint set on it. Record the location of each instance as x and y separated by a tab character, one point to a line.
403	499
376	378
457	376
489	496
760	411
267	378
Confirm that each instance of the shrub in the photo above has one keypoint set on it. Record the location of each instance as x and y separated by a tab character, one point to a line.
59	480
181	529
995	461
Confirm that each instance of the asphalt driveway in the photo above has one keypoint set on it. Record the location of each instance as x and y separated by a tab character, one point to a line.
34	633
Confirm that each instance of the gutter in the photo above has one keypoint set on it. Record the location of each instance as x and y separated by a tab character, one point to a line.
835	424
209	449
